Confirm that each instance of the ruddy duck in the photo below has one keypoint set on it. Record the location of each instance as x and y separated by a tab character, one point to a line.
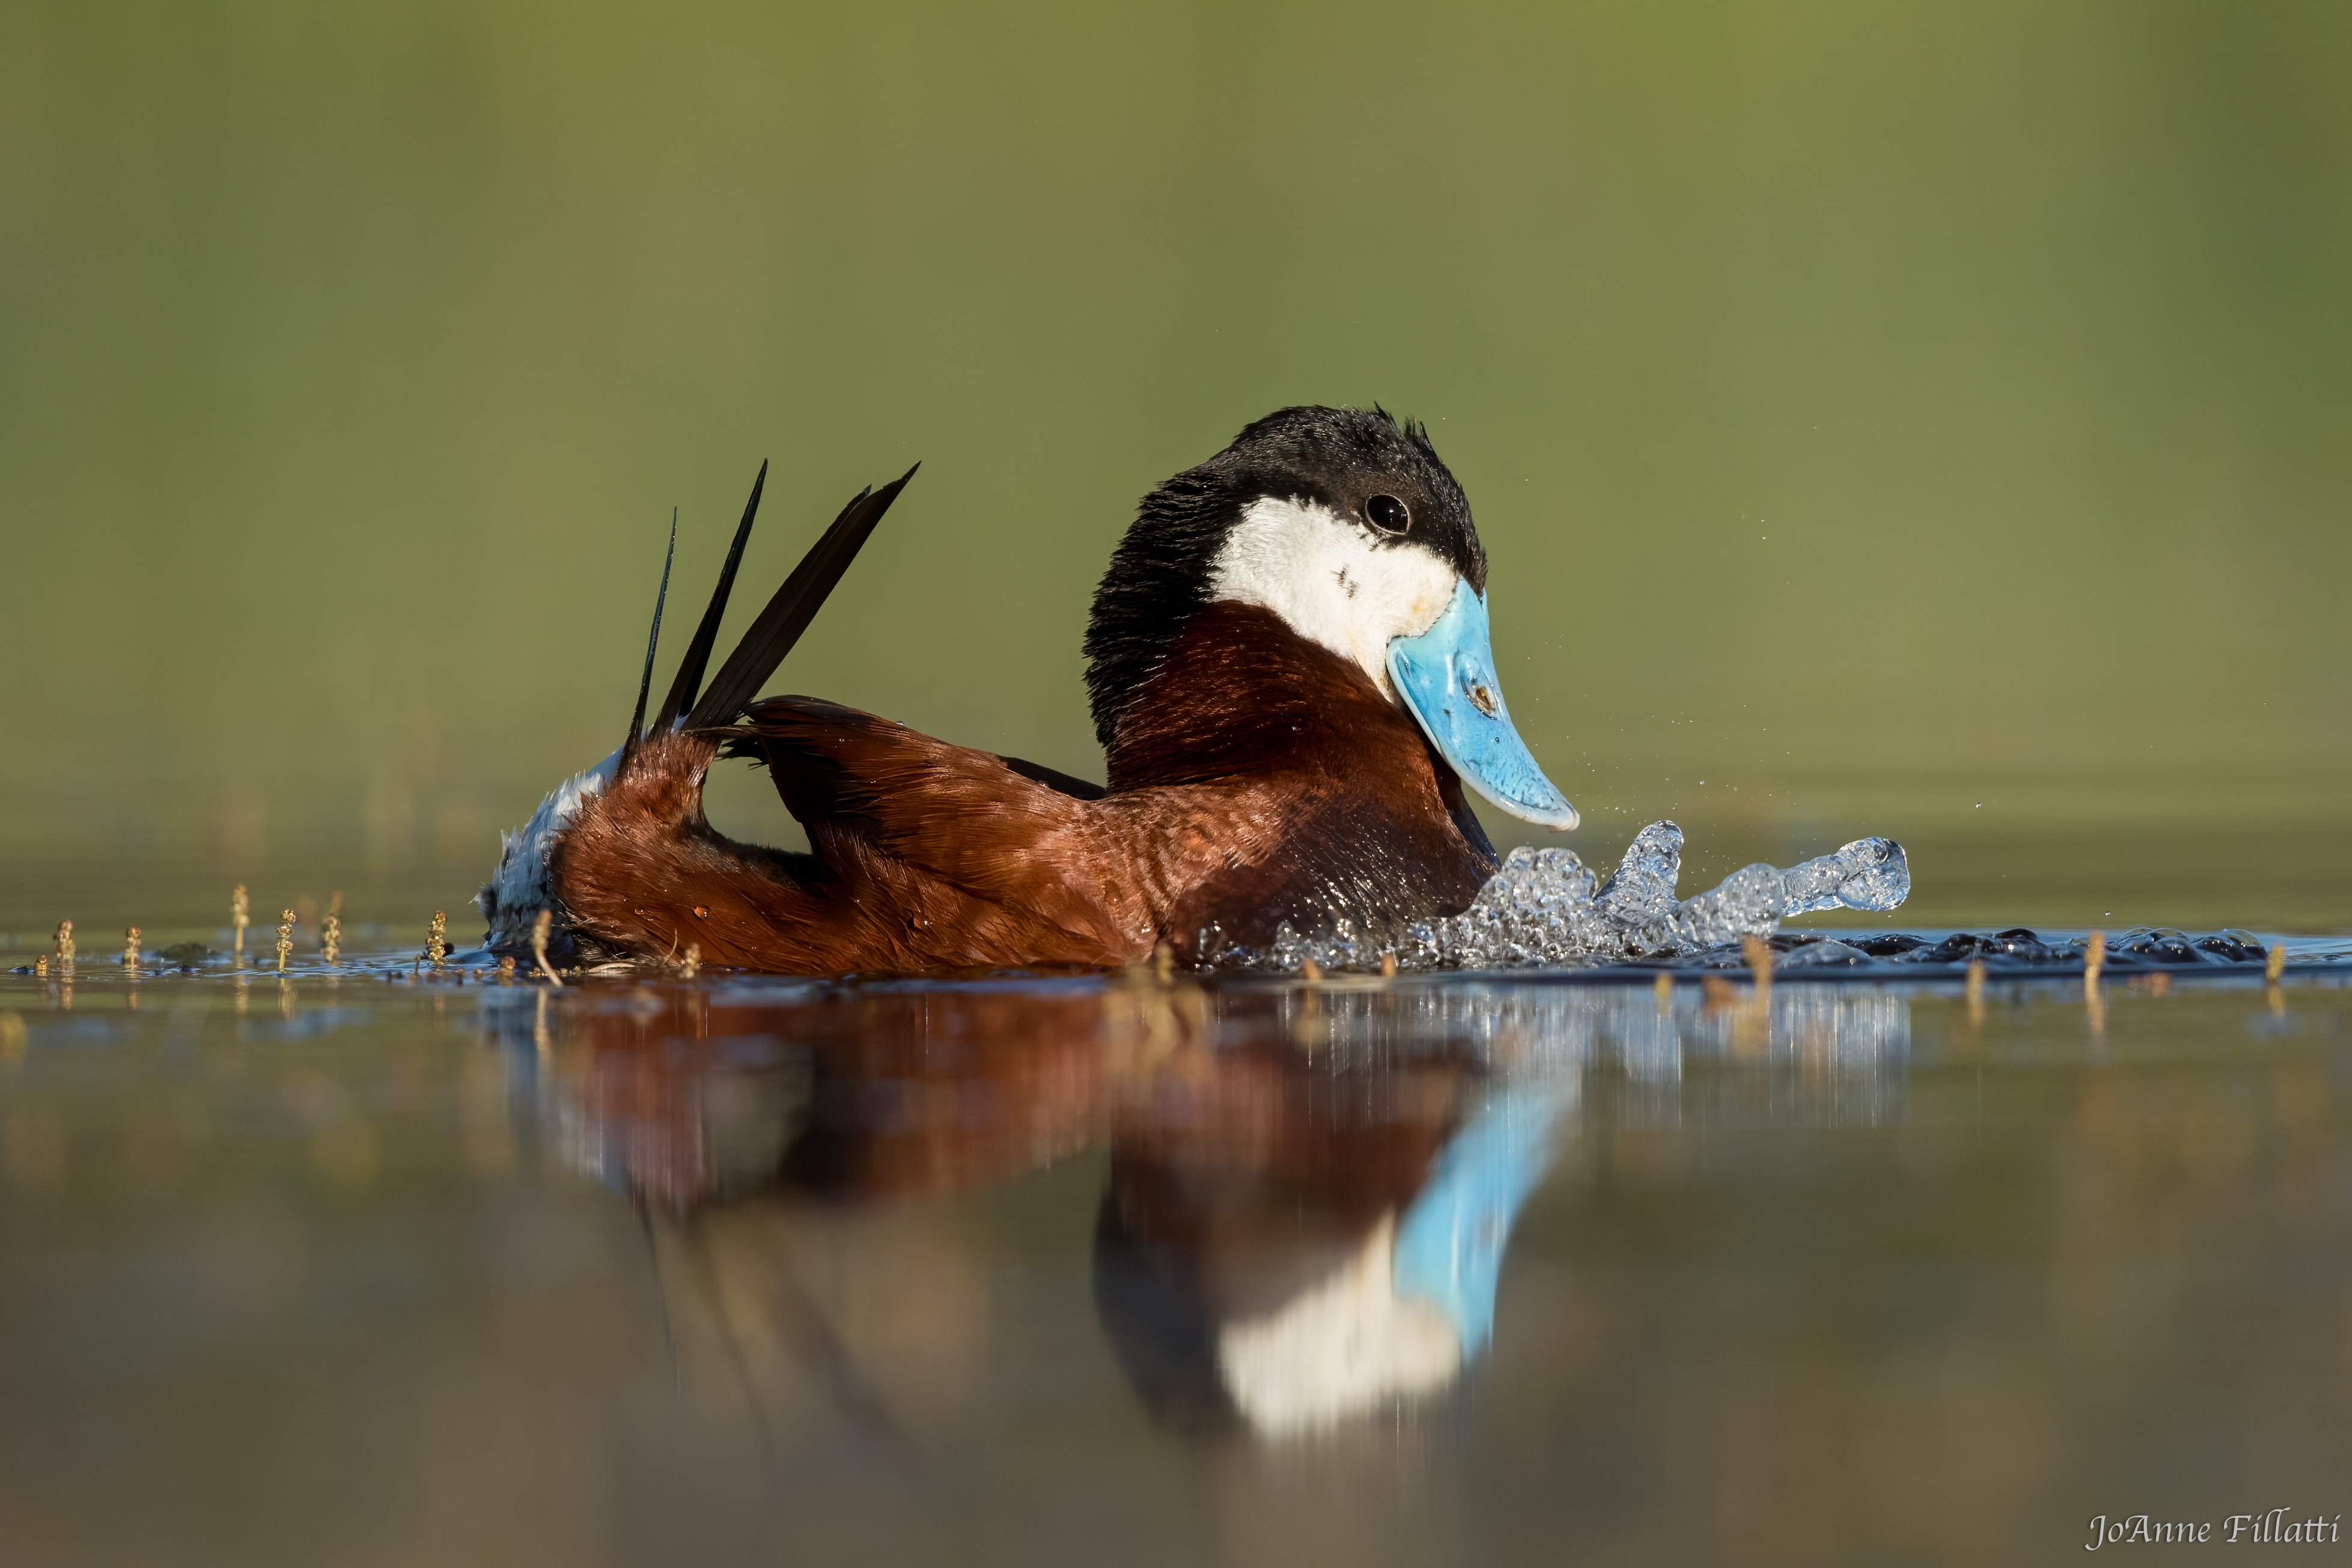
1289	671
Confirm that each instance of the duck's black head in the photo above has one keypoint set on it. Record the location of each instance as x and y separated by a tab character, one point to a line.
1347	525
1307	512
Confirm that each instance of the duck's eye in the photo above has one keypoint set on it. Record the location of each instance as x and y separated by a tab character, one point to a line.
1387	514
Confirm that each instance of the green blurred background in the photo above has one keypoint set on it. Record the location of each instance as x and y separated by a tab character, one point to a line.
1926	420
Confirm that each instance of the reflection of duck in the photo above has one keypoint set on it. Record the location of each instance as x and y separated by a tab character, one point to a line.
1291	678
876	1096
1281	1240
1292	1249
778	1153
1309	1191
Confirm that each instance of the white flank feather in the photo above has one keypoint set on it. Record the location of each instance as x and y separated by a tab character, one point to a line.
522	886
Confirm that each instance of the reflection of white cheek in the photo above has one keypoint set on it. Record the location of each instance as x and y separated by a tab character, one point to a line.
1340	1348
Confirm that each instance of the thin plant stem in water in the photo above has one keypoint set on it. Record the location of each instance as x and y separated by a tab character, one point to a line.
539	929
2094	959
1759	954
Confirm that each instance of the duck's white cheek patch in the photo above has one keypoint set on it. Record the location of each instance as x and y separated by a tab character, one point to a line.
1331	582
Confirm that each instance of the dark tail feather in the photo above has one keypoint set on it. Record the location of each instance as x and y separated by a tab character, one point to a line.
653	641
788	615
706	636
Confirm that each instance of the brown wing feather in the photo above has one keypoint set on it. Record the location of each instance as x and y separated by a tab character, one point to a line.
893	886
913	808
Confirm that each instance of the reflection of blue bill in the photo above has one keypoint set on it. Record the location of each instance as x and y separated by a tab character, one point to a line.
1449	1247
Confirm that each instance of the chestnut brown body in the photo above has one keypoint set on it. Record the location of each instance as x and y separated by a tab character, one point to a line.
1255	779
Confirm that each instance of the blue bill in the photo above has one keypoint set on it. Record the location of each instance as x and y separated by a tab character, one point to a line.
1446	676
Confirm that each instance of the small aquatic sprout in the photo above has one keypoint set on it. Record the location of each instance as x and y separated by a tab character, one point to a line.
1759	954
1163	963
1976	988
2274	964
284	938
1663	989
1310	969
240	915
64	944
130	949
539	929
506	971
436	940
330	934
41	967
2094	958
692	965
1387	965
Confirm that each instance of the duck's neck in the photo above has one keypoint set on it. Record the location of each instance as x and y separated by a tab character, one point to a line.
1242	694
1349	809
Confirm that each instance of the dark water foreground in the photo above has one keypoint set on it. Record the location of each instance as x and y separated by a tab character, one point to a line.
347	1269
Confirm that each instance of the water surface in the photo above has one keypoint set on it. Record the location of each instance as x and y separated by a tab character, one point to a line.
356	1268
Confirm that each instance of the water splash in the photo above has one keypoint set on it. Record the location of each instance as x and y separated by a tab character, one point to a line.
1546	907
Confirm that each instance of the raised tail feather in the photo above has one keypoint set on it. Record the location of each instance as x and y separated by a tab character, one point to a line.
788	615
706	635
522	883
653	638
773	631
